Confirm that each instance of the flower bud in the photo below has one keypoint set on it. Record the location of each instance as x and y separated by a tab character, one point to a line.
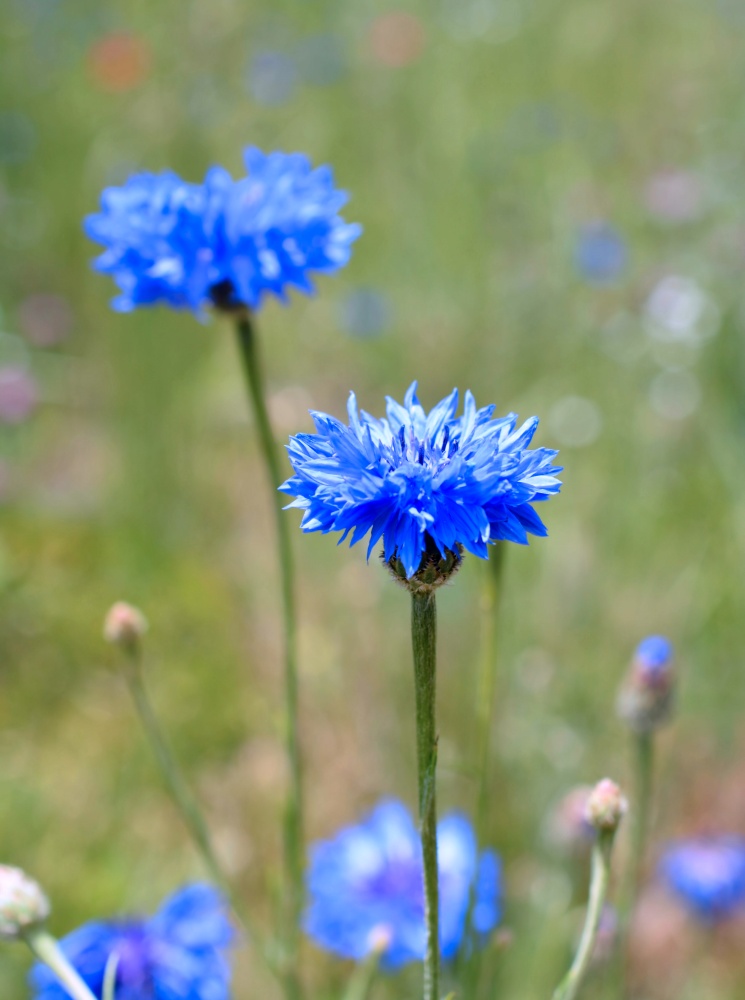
125	625
22	903
646	697
434	570
606	806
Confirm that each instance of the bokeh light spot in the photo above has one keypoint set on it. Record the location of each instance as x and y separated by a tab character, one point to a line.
397	39
119	61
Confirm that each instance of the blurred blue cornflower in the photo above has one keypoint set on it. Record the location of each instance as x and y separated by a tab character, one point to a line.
224	242
654	657
366	894
600	253
708	874
177	954
422	482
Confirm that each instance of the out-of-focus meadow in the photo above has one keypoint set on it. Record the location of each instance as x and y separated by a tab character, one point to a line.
553	197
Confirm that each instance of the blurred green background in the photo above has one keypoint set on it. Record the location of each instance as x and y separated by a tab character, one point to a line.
553	197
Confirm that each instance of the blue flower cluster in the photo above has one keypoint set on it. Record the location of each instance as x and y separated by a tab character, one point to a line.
224	242
366	892
708	874
177	954
412	477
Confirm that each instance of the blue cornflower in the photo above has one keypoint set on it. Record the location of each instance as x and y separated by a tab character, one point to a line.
177	954
708	873
654	657
366	893
224	242
422	480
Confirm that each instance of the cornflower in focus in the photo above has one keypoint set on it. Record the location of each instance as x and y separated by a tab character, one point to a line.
646	697
178	954
708	874
366	893
225	242
427	484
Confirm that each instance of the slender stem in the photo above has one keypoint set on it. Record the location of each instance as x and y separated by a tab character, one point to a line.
293	826
362	978
643	785
47	950
424	642
601	854
644	770
182	796
169	768
490	604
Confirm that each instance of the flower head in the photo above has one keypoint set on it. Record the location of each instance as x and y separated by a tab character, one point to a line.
708	874
177	954
224	242
605	807
366	893
645	700
22	903
422	481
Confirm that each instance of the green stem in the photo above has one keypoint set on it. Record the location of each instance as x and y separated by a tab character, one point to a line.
601	854
169	768
47	950
487	686
644	771
643	775
424	642
362	978
181	794
293	826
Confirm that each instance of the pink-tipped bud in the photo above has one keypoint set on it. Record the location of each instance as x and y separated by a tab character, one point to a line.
125	625
22	903
606	806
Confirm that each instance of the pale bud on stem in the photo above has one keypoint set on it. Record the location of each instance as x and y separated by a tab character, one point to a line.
22	903
125	625
606	806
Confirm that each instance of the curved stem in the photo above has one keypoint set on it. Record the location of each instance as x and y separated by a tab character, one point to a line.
424	642
601	854
174	780
48	951
182	796
643	786
293	826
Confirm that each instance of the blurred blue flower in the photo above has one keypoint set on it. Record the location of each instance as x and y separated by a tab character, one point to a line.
365	312
272	78
600	253
654	656
708	874
177	954
365	888
224	242
419	480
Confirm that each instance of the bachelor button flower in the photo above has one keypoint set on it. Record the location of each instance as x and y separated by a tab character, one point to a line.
366	893
708	874
645	700
178	954
225	242
424	483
